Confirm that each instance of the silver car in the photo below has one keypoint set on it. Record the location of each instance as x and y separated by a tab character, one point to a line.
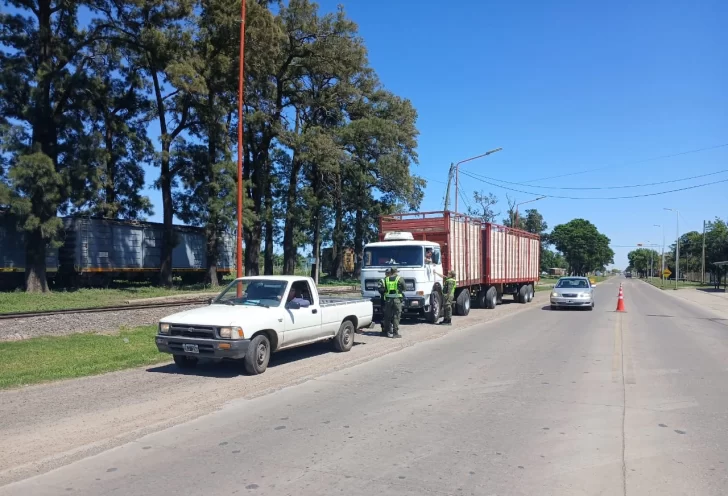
572	292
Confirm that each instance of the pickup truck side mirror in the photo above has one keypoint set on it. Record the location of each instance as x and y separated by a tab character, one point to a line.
293	305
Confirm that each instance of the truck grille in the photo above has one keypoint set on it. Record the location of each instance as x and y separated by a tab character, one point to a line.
373	284
192	331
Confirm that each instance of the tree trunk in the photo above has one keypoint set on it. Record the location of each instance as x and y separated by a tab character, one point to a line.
45	135
110	208
165	182
211	229
315	269
358	242
212	254
268	251
35	263
290	250
338	248
253	236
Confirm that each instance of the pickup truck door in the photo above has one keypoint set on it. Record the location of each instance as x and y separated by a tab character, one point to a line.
302	324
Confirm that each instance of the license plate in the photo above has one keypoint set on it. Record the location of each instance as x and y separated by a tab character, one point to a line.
191	348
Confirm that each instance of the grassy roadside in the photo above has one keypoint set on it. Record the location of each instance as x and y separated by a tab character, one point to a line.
18	301
65	357
671	284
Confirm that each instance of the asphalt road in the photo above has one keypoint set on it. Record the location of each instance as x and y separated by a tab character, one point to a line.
539	403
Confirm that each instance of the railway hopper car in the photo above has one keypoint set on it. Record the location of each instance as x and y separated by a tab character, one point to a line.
102	249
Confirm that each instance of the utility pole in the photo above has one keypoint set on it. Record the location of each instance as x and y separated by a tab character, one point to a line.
457	172
702	269
677	245
662	265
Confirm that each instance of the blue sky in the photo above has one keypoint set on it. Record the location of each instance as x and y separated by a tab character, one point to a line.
563	87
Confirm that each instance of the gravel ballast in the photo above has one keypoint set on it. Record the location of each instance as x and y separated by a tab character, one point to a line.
71	323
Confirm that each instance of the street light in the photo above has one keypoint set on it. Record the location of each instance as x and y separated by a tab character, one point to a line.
677	244
241	96
457	172
662	268
514	222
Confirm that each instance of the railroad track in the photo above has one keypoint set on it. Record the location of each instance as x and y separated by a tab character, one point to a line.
142	306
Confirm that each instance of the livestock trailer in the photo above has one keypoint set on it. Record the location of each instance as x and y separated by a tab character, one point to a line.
490	260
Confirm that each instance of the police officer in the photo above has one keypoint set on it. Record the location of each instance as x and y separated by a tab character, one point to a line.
382	289
448	290
394	294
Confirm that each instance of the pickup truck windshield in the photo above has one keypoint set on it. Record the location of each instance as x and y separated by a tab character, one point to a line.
255	292
393	256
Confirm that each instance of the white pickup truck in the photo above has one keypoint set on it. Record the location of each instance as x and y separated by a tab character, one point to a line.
255	316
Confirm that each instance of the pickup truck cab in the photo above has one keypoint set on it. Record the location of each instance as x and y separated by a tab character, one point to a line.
256	316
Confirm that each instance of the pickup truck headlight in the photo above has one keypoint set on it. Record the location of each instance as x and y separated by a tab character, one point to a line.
163	328
231	332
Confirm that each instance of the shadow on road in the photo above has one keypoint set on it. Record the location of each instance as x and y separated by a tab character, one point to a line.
228	369
711	290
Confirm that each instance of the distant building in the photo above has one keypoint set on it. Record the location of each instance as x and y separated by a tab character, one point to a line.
557	271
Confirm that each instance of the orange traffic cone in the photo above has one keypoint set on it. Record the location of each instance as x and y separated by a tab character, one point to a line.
620	301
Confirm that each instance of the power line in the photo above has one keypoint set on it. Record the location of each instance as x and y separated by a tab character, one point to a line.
602	187
631	163
598	198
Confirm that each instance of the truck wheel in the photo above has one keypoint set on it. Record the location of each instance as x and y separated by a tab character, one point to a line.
481	301
344	339
462	305
185	362
435	308
257	356
523	294
530	294
491	297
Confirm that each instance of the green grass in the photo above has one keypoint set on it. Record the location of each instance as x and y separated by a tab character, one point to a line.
19	301
52	358
658	283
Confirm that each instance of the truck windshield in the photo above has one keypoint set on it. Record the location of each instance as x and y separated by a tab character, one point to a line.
254	292
393	256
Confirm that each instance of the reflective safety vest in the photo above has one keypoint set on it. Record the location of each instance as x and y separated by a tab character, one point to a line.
392	287
450	283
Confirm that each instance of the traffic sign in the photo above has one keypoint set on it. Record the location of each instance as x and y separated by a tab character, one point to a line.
666	273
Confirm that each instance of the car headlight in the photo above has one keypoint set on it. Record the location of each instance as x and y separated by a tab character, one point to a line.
584	295
554	294
231	332
163	328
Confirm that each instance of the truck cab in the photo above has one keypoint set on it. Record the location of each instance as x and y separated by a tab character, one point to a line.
417	263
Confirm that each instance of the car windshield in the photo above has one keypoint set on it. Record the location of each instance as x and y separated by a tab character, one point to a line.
390	256
573	283
253	292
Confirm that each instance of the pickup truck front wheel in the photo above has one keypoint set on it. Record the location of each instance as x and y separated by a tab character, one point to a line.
344	339
257	356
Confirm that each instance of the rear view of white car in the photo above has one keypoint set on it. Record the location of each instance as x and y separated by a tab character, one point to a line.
256	316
